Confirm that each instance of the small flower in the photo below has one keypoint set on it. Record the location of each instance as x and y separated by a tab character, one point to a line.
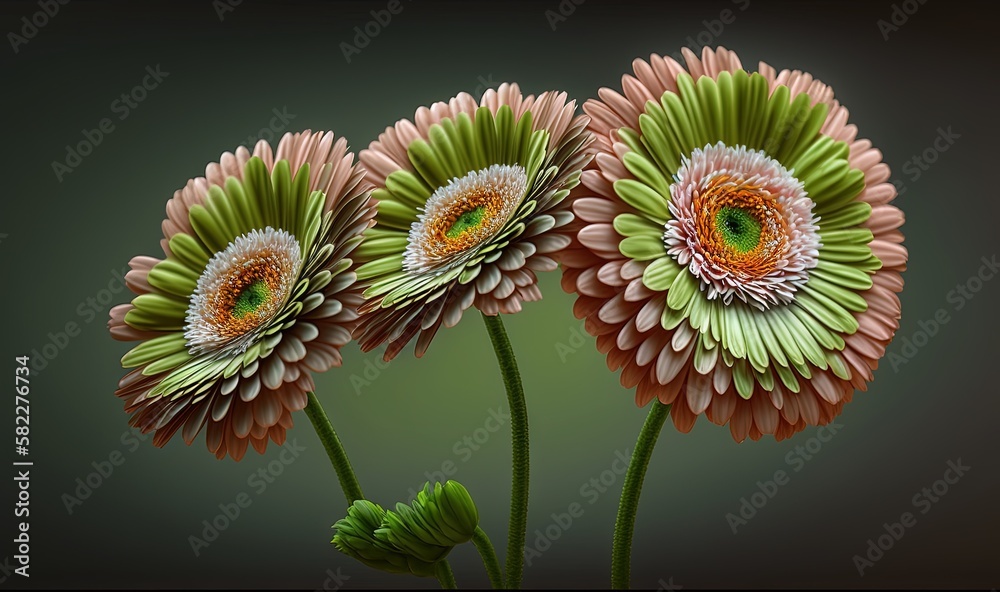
471	198
735	251
255	292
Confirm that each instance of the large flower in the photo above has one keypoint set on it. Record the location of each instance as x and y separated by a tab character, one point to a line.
471	199
735	252
256	291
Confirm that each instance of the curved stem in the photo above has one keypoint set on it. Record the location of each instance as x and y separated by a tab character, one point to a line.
519	441
621	554
341	464
444	575
482	542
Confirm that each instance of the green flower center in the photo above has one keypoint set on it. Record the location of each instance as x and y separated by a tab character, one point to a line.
738	228
466	221
251	298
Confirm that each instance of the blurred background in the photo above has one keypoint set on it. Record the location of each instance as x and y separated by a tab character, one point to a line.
88	171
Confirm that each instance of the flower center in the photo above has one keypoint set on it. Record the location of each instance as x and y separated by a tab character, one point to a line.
466	221
462	216
242	288
740	227
250	299
743	224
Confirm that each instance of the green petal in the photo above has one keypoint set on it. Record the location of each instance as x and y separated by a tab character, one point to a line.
699	311
377	247
853	214
787	377
644	199
189	251
842	275
732	332
207	228
783	334
684	288
152	349
743	378
756	351
838	366
769	339
632	225
826	311
173	277
156	312
647	173
844	299
810	334
765	379
379	267
642	248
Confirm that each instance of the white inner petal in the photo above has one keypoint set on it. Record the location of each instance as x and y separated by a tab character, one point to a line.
462	216
242	288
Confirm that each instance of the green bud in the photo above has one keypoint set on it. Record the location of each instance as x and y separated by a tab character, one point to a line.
356	537
414	537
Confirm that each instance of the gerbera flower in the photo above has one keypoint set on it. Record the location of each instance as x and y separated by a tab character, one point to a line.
255	292
471	198
735	251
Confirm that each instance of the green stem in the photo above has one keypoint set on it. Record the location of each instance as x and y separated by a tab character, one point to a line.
341	464
445	575
519	441
621	555
482	542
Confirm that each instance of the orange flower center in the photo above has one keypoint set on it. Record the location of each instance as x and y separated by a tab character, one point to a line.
246	298
740	226
242	288
463	215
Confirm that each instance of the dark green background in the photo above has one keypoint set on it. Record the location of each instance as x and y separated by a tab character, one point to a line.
63	242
